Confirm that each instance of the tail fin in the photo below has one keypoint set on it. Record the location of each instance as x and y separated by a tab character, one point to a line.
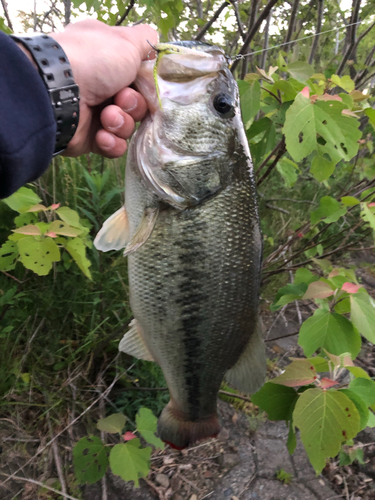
179	433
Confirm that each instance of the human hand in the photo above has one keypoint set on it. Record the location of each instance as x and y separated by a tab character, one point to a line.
105	60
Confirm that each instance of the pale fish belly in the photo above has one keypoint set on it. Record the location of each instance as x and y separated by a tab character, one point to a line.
194	293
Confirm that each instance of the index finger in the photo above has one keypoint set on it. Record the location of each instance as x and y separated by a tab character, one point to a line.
141	36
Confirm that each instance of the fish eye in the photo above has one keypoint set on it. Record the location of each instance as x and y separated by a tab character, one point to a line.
223	103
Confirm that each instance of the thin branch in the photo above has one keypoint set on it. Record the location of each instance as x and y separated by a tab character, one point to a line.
13	475
238	18
41	485
292	24
282	337
126	13
251	22
282	210
6	13
291	199
352	33
226	393
56	457
273	164
263	57
262	17
208	25
318	30
264	162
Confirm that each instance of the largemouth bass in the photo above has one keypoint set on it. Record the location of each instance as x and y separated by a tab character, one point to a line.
190	228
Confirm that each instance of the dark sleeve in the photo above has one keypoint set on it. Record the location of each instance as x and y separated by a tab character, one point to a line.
27	123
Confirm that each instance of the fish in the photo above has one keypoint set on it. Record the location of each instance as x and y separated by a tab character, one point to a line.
190	228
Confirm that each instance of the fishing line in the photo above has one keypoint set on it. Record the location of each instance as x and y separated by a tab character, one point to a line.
242	56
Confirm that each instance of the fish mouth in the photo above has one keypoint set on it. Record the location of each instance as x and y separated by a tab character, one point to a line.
190	63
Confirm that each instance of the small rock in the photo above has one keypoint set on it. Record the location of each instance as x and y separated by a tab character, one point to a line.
234	498
229	460
193	497
168	460
223	434
185	466
228	492
175	483
162	479
177	497
207	474
235	418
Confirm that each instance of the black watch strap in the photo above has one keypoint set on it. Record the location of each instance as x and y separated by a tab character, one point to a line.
57	74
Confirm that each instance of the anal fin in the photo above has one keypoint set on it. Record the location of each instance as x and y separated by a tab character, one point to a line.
249	373
114	233
133	344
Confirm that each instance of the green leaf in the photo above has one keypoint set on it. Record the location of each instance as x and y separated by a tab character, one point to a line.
90	460
69	216
304	275
267	140
292	439
331	331
368	215
77	250
363	314
362	409
358	372
22	200
320	127
371	419
329	210
38	255
287	294
320	364
288	171
345	82
113	423
8	255
321	168
130	461
277	400
249	98
299	372
365	389
325	419
147	424
349	201
300	71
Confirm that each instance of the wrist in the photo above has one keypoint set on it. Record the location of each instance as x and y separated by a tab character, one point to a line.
53	66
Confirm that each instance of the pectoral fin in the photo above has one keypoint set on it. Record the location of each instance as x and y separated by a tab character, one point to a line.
249	373
114	233
133	344
144	230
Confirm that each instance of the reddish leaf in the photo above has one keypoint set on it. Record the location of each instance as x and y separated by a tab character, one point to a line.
51	234
371	204
326	383
318	290
329	97
37	208
305	92
30	230
128	436
350	287
55	206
